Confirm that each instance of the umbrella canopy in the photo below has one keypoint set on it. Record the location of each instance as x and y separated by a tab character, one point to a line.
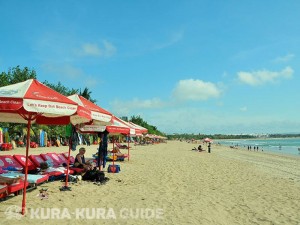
141	129
207	140
31	101
99	115
117	127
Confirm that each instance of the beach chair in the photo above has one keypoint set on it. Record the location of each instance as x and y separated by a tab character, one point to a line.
121	146
32	179
72	159
59	159
15	189
55	160
3	191
51	171
7	162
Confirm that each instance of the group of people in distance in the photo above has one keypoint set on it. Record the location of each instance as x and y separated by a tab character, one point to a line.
200	149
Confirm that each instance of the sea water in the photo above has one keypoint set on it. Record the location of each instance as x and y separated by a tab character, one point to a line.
277	145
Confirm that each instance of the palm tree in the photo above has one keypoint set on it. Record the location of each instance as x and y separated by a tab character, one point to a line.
86	93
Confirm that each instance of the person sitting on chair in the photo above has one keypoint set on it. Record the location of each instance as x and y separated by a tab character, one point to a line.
80	160
117	151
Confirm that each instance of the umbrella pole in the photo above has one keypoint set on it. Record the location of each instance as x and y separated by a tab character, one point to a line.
113	154
26	165
68	164
128	147
99	161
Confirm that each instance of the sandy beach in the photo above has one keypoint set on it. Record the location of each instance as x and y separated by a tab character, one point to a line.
171	184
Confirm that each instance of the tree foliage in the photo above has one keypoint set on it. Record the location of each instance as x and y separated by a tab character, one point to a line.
86	93
151	129
16	75
59	87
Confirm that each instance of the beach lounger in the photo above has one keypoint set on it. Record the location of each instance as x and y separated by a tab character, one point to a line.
59	159
72	159
7	162
54	159
37	159
8	189
32	179
3	191
16	188
121	146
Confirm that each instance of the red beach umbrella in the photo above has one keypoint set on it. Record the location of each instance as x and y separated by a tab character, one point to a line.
33	102
99	115
207	140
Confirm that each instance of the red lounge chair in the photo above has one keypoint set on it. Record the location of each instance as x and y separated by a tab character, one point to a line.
72	159
8	162
16	188
32	179
3	190
121	146
59	159
37	159
54	159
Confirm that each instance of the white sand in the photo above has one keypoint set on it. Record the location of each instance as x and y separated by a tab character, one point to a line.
227	186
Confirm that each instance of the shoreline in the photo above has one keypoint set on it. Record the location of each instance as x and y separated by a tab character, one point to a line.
227	186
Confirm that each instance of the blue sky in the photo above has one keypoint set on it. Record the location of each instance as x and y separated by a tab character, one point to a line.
184	66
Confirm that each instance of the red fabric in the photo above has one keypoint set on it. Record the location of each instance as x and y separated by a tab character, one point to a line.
49	157
21	159
45	93
9	161
10	104
13	188
37	159
72	159
93	107
3	188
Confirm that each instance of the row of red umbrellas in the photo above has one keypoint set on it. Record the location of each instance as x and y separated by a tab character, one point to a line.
33	102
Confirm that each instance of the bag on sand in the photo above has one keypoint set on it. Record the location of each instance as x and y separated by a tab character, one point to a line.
94	175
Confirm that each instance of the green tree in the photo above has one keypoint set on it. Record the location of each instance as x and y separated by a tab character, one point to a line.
59	87
86	93
16	75
151	129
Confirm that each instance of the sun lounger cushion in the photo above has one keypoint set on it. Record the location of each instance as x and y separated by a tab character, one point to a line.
31	178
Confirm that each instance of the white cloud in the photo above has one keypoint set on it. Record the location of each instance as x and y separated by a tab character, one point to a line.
283	59
174	38
195	90
92	49
264	76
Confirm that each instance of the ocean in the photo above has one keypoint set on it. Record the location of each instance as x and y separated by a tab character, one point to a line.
278	145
